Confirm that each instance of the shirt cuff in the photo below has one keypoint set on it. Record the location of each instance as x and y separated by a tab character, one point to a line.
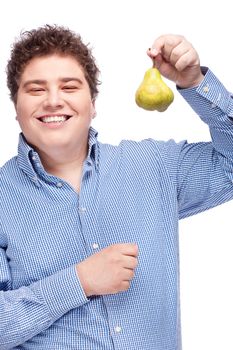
63	292
210	98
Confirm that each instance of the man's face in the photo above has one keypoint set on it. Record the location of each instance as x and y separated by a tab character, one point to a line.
54	105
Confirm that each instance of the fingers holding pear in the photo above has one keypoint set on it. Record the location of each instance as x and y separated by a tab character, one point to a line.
176	60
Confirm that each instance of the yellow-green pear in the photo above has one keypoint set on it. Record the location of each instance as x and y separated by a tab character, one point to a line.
153	94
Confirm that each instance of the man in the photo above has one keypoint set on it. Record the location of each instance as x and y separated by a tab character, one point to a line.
88	231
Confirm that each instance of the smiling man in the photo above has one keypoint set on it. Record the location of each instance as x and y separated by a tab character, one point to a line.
54	108
89	231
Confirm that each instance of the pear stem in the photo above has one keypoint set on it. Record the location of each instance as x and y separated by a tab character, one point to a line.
153	60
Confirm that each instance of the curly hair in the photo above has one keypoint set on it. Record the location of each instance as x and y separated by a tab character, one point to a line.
47	40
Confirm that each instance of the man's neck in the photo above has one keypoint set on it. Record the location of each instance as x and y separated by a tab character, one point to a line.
65	165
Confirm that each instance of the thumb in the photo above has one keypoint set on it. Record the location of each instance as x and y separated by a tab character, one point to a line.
156	57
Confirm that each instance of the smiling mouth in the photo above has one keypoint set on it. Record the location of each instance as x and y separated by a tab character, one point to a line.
54	118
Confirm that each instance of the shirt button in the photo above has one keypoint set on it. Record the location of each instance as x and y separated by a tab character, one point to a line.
118	329
34	178
95	245
213	105
82	210
33	157
206	88
59	184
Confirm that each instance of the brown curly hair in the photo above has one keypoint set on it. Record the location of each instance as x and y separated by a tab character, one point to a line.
47	40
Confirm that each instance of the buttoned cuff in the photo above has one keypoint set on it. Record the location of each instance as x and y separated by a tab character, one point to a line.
210	99
62	292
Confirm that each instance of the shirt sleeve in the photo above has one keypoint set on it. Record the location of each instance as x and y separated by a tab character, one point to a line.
205	171
29	310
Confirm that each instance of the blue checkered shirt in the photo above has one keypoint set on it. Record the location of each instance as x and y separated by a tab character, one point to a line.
133	192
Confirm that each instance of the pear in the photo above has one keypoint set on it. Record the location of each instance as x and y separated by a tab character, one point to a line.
153	94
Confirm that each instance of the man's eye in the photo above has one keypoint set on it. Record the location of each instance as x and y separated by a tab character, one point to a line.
34	90
70	88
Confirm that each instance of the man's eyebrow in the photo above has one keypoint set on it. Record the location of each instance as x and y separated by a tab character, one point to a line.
43	82
34	81
66	80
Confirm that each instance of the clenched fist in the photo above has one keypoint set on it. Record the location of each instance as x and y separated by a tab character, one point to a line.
108	271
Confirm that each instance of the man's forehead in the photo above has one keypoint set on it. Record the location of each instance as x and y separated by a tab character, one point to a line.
53	67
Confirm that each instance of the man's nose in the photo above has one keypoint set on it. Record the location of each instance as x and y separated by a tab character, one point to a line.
53	100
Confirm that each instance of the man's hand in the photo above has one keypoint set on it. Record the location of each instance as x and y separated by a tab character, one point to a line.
108	271
177	60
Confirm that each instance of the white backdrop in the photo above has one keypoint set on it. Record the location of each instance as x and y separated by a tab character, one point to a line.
120	33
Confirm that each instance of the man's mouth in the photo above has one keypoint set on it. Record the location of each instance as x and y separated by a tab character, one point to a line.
54	118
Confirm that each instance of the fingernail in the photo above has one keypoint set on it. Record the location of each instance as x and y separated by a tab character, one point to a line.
154	51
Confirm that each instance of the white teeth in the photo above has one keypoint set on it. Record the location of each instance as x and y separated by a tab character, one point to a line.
54	119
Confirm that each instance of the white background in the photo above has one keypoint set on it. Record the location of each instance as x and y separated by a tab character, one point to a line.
120	33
